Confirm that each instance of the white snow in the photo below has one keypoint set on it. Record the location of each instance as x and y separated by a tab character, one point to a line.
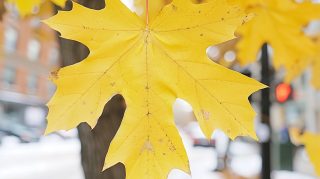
52	158
55	158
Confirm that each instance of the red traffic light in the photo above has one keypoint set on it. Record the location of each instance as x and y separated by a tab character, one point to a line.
283	92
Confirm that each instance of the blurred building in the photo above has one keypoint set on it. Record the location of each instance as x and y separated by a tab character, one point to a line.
28	53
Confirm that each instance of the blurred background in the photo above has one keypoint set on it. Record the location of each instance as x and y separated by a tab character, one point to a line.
30	51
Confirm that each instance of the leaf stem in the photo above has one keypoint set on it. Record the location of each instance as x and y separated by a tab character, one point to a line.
147	12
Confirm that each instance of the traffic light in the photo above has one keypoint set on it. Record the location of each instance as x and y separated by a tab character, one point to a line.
283	92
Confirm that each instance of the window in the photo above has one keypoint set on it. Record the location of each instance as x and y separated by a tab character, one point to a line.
35	22
53	57
32	84
10	39
33	50
9	76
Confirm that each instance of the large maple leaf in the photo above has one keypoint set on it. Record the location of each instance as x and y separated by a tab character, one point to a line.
281	25
151	63
25	7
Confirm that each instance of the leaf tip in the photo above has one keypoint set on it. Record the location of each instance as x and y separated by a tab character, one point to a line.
48	21
107	164
48	131
254	137
263	86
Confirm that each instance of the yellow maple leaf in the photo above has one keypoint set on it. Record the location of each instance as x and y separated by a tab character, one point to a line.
311	141
25	7
312	62
151	63
280	24
60	3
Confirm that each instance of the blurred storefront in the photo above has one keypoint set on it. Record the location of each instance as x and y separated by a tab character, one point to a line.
28	53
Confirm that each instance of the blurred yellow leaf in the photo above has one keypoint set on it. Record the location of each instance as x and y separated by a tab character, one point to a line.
280	24
25	7
312	62
151	64
60	3
154	7
43	32
311	141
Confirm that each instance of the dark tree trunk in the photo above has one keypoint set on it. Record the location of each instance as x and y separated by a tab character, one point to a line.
95	142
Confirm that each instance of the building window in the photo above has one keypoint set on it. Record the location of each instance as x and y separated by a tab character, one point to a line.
33	50
9	76
53	57
32	84
10	39
35	22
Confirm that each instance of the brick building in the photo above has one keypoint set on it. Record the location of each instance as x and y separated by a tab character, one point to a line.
28	53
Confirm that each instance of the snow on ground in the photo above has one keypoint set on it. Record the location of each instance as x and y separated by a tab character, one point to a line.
290	175
51	158
202	162
55	158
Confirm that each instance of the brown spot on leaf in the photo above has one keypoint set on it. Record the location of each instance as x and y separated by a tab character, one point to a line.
206	115
172	148
148	113
147	146
228	130
54	75
174	7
